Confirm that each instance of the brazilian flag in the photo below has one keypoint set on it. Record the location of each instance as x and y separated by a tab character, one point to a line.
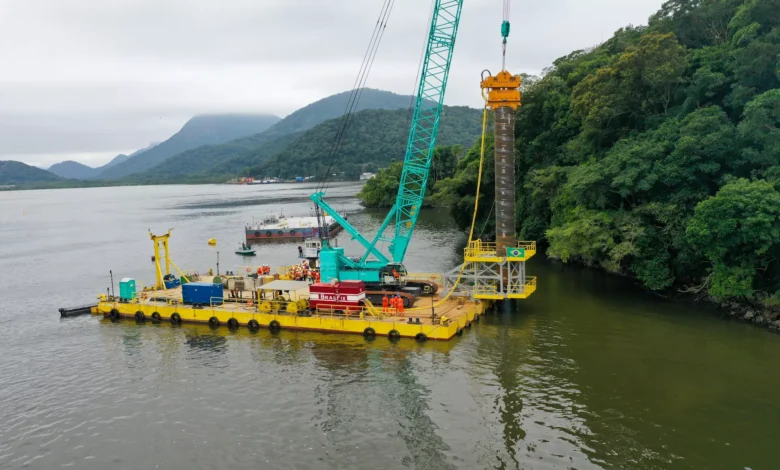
515	252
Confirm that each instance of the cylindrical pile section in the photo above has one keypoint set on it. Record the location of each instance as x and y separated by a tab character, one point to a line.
505	178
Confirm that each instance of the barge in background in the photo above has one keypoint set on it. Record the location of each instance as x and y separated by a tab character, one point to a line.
288	228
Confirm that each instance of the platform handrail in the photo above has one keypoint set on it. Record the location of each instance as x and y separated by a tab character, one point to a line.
478	248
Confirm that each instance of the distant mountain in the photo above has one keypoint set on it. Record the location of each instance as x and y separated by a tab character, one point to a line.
12	172
148	147
198	131
78	171
73	170
374	136
117	160
335	105
234	156
229	158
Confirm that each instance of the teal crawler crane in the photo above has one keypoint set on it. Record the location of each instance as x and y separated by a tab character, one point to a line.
375	268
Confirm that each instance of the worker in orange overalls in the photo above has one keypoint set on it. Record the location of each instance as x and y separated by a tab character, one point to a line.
385	303
400	303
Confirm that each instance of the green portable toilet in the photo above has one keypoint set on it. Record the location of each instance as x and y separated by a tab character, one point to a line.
127	289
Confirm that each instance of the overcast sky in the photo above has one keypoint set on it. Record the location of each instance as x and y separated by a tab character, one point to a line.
88	79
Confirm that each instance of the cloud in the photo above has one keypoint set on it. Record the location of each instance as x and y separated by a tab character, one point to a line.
101	77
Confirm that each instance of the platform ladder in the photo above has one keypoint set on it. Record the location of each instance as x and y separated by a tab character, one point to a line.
491	275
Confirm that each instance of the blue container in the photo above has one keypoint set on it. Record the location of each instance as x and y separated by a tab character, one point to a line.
202	293
171	281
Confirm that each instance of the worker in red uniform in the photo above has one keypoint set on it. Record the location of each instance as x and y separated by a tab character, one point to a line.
385	303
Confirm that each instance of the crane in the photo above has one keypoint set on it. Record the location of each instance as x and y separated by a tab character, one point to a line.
376	268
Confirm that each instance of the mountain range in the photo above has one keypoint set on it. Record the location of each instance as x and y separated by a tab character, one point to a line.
234	156
213	148
198	131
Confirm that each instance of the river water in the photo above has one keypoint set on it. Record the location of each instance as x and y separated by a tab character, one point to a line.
588	373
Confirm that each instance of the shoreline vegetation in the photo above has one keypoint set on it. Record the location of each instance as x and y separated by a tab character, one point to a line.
655	155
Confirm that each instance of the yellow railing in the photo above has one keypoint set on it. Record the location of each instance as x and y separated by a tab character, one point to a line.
368	309
529	247
514	289
480	249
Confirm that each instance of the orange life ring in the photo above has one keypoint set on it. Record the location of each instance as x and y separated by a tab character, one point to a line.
248	270
250	303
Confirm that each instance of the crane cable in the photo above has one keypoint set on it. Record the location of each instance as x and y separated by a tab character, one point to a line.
504	34
357	90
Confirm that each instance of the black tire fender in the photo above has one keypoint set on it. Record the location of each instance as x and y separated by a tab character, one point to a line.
274	326
369	332
421	337
232	323
253	325
156	317
140	317
394	334
175	318
214	321
114	314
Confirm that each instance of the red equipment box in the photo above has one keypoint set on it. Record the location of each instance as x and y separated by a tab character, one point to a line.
346	296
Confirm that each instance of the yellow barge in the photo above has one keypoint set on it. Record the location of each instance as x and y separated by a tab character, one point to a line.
278	302
448	319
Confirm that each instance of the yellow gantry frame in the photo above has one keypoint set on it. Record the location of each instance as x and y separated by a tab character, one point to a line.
503	90
157	239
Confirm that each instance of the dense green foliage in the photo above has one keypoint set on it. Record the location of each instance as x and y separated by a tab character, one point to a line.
373	136
382	189
13	173
656	154
198	131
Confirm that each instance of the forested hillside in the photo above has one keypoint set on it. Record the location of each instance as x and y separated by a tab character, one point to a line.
233	157
374	137
216	162
656	154
13	173
72	170
198	131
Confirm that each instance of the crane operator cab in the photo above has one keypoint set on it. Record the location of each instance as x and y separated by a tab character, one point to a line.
394	274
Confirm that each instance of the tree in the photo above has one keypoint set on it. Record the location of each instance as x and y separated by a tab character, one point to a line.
738	231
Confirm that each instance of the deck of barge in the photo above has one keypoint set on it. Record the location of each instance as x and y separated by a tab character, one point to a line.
451	315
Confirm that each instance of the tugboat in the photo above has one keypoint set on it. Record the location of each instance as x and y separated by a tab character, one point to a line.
245	250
